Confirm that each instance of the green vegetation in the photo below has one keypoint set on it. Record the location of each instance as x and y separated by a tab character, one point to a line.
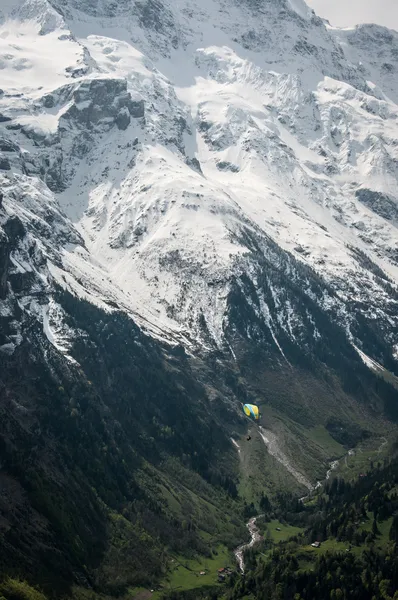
108	506
280	532
370	453
261	472
186	574
356	523
321	436
17	589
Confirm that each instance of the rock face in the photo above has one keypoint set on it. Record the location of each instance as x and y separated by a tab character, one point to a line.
4	163
4	263
383	205
183	160
234	188
102	101
14	228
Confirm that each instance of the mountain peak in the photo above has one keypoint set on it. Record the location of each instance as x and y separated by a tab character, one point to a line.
160	168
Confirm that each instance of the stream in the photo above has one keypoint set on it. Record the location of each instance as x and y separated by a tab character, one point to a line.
270	440
255	537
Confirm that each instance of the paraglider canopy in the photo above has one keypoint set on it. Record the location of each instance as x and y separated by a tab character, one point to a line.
251	410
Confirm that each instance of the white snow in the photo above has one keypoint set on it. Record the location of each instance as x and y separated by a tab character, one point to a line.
301	8
32	64
235	443
45	123
56	332
284	132
369	362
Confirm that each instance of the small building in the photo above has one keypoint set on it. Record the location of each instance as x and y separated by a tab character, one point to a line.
202	573
221	577
278	529
316	544
221	570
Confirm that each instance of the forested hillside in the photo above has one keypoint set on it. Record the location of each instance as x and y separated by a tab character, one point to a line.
356	525
111	463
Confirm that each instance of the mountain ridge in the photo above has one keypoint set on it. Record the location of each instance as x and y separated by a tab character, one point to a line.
131	218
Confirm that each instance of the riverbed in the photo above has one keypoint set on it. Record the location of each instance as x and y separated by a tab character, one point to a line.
255	537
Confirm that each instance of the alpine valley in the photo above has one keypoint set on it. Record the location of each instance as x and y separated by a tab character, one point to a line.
198	209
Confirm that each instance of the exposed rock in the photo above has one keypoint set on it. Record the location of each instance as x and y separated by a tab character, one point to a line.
204	126
60	96
302	250
154	15
21	281
227	166
103	102
226	264
4	163
136	108
4	263
7	145
194	164
123	119
14	228
48	101
381	204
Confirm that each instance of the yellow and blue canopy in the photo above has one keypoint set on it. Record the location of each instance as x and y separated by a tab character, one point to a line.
251	410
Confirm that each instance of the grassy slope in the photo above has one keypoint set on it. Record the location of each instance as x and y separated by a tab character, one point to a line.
286	531
374	450
297	407
261	472
185	574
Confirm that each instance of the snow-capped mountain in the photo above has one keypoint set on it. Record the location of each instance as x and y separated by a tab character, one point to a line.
198	209
168	158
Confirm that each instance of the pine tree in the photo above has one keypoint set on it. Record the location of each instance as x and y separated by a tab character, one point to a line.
375	529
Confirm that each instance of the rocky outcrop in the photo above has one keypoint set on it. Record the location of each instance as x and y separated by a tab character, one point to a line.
381	204
224	165
7	145
4	263
4	163
14	228
103	102
11	233
123	119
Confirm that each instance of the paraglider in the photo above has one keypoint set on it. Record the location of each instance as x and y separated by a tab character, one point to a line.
251	410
